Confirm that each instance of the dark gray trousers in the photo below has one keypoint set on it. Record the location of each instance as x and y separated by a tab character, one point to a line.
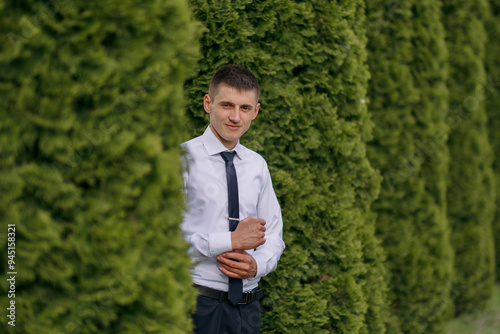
221	317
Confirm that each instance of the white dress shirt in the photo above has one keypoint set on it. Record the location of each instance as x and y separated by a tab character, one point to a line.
205	224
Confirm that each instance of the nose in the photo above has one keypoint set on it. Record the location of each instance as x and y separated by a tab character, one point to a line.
235	115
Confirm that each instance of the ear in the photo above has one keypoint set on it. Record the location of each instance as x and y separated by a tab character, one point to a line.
256	111
207	103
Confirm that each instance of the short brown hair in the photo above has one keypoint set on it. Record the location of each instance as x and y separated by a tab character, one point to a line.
235	76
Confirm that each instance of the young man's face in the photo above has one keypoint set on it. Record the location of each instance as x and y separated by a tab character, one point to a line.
231	113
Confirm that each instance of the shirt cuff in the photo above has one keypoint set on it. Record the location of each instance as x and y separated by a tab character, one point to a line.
219	243
261	265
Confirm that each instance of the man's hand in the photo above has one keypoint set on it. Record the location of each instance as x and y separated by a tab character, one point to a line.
237	264
249	234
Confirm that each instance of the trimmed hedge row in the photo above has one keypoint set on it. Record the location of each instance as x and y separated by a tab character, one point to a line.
471	192
471	196
310	60
91	106
408	101
92	113
491	85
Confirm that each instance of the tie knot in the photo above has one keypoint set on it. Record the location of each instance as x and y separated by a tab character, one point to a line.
227	156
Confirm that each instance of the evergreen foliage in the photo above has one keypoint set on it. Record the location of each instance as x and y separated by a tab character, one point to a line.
408	100
91	106
312	128
92	115
492	95
471	193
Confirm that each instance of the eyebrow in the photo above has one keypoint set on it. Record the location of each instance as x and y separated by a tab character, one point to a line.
232	104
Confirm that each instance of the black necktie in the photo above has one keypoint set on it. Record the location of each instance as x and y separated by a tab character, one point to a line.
235	292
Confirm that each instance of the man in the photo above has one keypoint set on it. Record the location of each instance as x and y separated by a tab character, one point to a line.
224	182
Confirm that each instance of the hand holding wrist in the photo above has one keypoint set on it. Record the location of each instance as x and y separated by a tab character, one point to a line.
237	264
249	234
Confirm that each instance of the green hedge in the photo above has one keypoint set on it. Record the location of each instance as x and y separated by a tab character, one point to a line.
471	193
92	113
91	110
408	100
312	129
491	83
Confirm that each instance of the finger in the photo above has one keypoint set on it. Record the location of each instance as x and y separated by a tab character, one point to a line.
229	273
228	262
238	271
241	251
233	258
236	254
239	255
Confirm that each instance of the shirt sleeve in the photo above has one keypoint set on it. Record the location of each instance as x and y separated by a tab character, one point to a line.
208	245
204	244
268	254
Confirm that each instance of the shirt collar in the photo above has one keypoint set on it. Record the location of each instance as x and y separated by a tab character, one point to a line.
214	146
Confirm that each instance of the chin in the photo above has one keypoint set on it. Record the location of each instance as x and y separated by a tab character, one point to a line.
231	140
232	135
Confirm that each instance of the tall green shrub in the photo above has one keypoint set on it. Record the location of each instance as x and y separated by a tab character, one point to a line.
312	129
91	113
408	101
491	83
471	195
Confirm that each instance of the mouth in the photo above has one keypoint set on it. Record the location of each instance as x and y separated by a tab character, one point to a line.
232	127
